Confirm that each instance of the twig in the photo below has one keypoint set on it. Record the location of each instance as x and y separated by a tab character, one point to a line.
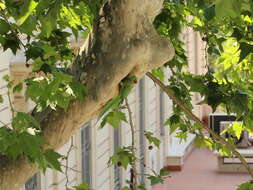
73	169
133	185
67	167
197	120
12	109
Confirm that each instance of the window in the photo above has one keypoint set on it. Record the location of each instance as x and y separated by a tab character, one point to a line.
117	170
142	127
32	183
86	153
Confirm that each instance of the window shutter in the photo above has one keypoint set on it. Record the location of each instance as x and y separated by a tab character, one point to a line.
142	128
162	129
86	154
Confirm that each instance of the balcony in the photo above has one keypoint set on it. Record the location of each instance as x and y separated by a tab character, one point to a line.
200	172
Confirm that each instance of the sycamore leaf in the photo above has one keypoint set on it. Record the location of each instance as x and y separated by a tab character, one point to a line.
1	99
246	49
29	26
11	41
152	139
246	186
114	118
82	187
227	8
33	52
123	157
26	10
158	73
4	27
78	89
142	187
110	105
23	121
18	87
52	159
125	188
155	180
237	127
164	173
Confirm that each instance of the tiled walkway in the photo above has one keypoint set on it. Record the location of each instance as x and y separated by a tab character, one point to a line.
200	173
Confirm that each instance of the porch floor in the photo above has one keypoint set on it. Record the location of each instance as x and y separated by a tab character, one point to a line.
200	173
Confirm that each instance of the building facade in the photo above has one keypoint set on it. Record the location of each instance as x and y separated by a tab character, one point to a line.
90	149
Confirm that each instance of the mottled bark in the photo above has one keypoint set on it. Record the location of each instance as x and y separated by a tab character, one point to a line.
123	42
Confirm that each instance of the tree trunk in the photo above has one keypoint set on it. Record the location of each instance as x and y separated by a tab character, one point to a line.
123	42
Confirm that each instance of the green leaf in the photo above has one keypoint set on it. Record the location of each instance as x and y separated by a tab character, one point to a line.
164	173
31	145
246	186
173	122
181	135
122	157
52	159
18	87
158	73
227	8
4	27
82	187
158	178
26	10
246	49
141	187
111	104
125	188
152	139
34	52
209	13
48	22
237	128
11	41
126	86
23	121
155	180
1	99
29	26
201	142
70	15
78	89
114	118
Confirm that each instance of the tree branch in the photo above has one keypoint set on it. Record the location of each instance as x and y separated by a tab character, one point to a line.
189	113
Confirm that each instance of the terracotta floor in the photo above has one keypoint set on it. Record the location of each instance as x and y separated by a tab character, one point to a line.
199	173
